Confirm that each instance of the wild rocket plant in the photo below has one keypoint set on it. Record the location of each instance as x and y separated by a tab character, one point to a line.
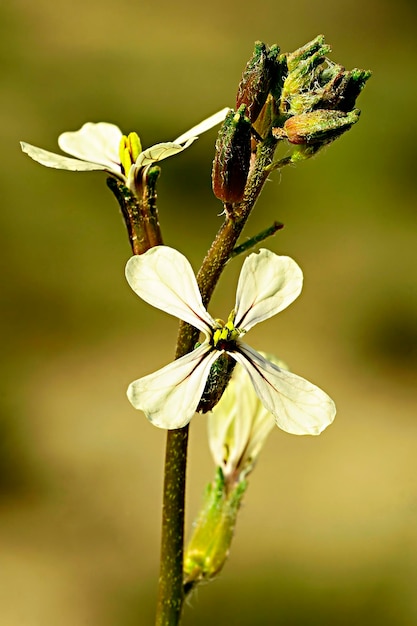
302	101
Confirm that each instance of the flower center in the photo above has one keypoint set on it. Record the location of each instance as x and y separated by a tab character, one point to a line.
129	150
225	334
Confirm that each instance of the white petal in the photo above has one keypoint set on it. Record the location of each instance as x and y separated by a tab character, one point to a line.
95	142
219	424
50	159
165	279
263	423
238	426
170	396
268	283
299	407
203	126
161	151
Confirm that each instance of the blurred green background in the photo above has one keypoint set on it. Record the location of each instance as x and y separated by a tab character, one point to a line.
328	532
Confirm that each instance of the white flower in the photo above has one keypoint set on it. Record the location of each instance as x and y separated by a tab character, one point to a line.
238	426
268	283
102	146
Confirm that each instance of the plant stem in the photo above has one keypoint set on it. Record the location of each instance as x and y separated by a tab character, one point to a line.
171	594
171	590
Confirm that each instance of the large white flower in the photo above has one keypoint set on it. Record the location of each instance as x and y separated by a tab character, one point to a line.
268	283
102	146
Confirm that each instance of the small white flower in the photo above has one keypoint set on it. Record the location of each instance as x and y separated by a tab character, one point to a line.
102	146
268	283
238	426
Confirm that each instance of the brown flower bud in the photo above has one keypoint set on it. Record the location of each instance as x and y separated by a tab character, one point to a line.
232	158
256	79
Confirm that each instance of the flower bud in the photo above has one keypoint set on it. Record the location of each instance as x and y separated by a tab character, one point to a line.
256	79
315	82
304	67
319	127
341	91
232	158
301	55
212	536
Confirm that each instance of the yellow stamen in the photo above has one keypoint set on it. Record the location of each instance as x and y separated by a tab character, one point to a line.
227	331
134	145
129	150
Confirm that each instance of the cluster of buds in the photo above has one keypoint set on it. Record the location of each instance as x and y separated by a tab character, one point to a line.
317	99
302	97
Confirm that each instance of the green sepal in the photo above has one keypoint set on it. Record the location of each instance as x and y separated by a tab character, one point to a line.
217	381
301	55
210	543
304	68
131	211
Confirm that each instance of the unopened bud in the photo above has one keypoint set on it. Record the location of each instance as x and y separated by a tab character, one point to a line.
304	67
299	56
319	127
209	545
232	158
314	82
341	91
256	80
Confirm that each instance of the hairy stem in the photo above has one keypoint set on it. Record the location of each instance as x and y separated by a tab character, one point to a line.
171	594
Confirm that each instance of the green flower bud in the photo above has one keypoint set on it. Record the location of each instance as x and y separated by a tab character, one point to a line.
304	68
256	80
319	127
301	55
209	545
315	82
232	158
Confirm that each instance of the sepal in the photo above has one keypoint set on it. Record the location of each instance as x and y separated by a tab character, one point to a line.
209	546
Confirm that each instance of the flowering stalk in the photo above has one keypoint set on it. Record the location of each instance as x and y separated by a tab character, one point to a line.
299	73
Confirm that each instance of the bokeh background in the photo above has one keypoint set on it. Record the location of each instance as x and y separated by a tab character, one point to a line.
327	534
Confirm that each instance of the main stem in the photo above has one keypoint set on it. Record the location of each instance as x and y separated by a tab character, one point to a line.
171	590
